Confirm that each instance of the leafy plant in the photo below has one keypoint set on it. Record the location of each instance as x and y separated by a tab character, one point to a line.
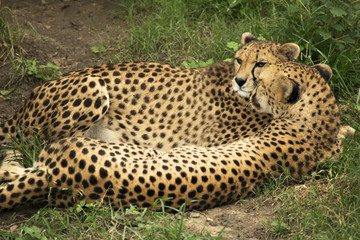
279	227
34	232
233	45
32	70
4	94
98	49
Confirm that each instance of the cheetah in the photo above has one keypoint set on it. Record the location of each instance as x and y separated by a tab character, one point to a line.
303	130
151	104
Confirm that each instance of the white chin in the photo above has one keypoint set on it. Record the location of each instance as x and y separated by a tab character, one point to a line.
243	94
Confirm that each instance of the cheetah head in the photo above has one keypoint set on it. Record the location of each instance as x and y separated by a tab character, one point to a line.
281	89
256	54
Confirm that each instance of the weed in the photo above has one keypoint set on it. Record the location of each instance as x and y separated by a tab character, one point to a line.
33	232
11	35
98	49
31	70
279	227
233	45
26	150
5	94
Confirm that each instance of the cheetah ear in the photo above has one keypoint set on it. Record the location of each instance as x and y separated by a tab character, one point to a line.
288	89
324	70
247	37
295	93
290	50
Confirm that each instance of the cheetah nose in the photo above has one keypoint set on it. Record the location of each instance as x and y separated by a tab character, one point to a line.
240	81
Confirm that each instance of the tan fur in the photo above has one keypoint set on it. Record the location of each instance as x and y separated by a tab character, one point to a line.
254	52
299	135
148	104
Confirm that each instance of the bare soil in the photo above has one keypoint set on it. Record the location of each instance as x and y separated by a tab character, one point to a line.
63	32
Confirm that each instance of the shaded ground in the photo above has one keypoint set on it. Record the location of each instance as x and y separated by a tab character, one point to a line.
62	32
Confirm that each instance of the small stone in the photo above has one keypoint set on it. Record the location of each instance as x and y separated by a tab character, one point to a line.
194	215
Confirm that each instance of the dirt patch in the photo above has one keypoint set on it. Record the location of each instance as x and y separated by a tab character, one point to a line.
245	220
63	32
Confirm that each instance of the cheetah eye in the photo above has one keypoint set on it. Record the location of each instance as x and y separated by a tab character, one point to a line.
238	60
260	64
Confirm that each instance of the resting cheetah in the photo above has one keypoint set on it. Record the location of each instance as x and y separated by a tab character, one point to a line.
303	130
151	104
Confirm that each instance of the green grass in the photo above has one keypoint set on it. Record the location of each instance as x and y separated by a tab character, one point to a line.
11	35
12	53
94	221
325	205
327	32
174	31
25	149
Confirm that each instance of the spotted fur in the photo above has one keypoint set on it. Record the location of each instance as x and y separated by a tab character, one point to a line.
303	131
149	104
